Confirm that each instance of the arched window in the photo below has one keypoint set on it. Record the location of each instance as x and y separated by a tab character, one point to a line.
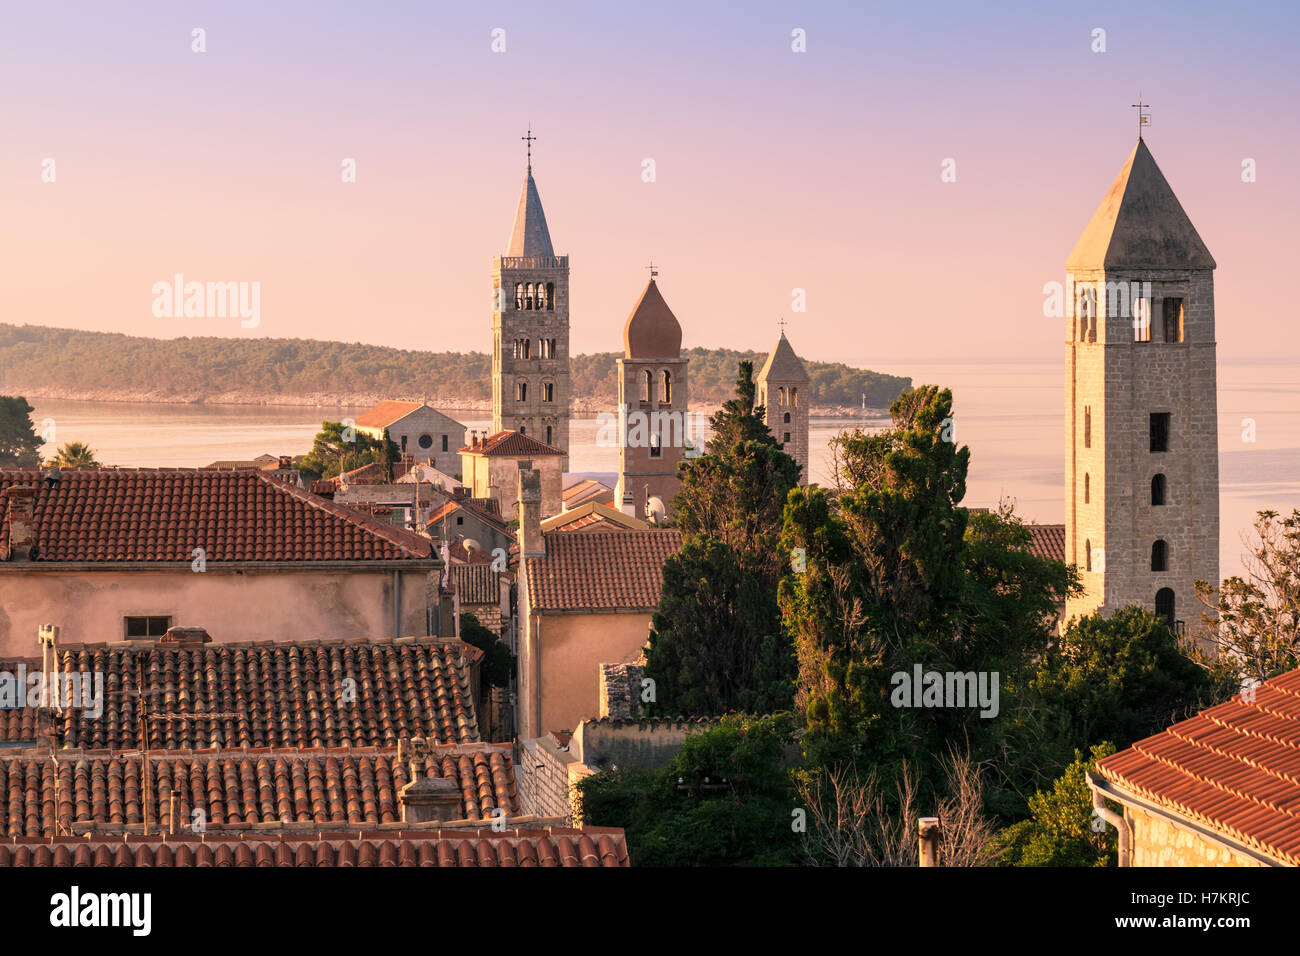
1087	554
787	418
521	392
647	385
1160	556
794	397
781	394
550	296
668	387
523	430
656	449
527	346
541	296
1165	605
1087	488
1157	489
548	391
1087	306
519	295
548	434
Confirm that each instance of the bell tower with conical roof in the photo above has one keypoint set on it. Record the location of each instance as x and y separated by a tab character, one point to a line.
1141	455
782	387
530	328
652	397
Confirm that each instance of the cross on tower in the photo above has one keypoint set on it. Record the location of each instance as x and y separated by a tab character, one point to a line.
530	138
1143	118
781	323
653	271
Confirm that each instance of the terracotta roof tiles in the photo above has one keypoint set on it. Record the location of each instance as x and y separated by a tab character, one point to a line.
595	570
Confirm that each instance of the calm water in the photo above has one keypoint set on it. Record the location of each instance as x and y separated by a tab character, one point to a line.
1010	416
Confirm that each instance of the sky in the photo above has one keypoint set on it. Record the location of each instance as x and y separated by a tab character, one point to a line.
774	170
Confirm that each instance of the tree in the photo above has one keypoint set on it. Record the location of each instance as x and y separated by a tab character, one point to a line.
498	662
339	448
1063	830
716	640
1254	630
74	454
1120	679
19	443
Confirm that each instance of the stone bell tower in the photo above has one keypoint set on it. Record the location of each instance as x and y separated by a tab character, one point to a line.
1141	452
783	393
530	328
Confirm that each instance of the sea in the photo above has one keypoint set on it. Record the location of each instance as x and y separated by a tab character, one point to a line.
1010	414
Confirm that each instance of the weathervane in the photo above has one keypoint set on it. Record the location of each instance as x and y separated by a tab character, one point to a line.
529	138
653	271
1144	119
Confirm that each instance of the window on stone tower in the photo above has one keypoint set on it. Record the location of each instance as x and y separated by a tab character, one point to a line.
548	434
1141	320
780	392
444	442
1173	309
528	297
526	348
541	296
1158	489
787	419
667	387
548	392
647	385
521	393
1159	431
786	439
1160	556
1087	307
1087	426
656	449
794	397
1087	554
550	297
1165	605
1087	488
519	295
551	347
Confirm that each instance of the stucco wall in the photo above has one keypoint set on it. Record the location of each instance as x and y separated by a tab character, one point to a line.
1158	842
573	646
90	606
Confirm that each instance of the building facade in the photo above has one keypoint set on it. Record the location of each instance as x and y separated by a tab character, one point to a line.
1141	456
530	330
783	393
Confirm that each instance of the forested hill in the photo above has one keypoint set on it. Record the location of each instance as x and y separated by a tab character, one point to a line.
64	363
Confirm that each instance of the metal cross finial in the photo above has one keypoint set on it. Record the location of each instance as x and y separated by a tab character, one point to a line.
781	322
529	138
1143	118
653	271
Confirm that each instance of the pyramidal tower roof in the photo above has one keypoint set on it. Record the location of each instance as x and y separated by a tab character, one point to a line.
1140	224
652	331
530	237
782	364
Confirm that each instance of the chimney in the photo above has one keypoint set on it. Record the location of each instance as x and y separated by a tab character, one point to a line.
531	543
22	522
286	462
628	506
929	840
425	799
178	636
47	635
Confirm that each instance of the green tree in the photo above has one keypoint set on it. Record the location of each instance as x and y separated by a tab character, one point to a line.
498	662
338	448
19	443
74	454
716	640
1062	829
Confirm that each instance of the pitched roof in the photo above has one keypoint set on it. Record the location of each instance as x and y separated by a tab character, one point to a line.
594	516
94	791
1140	224
585	490
314	693
782	364
143	515
1047	541
551	846
477	583
511	443
594	570
1234	769
385	413
652	331
471	506
530	237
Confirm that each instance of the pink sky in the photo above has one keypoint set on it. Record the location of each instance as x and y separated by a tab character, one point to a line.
775	170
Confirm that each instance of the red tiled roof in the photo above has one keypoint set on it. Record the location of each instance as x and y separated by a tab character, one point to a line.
595	570
349	787
371	473
471	507
594	516
285	694
553	846
587	490
148	515
385	413
1048	541
477	583
508	443
1234	769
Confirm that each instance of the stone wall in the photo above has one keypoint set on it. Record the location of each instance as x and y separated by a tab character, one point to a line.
1158	841
646	744
547	775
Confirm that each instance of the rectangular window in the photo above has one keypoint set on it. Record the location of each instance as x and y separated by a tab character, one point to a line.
1141	320
1173	309
444	442
786	439
403	443
140	627
1087	426
1160	431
